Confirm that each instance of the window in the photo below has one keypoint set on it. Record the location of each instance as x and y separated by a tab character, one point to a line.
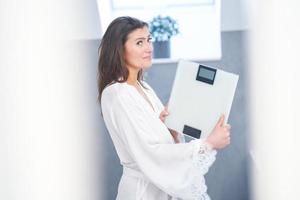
133	4
199	23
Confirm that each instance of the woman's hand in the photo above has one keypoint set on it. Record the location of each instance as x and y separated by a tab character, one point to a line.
175	135
220	136
163	115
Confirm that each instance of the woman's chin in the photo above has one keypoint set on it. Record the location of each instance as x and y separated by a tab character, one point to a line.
147	65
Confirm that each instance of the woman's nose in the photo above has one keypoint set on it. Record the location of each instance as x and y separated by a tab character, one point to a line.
149	47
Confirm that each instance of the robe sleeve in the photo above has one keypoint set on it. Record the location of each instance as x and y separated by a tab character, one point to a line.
177	169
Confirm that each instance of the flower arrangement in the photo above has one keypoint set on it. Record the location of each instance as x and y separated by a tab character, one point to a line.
163	28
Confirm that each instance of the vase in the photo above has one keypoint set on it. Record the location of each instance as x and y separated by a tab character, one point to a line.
161	49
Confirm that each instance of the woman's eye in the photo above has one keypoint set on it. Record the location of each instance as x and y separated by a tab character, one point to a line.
149	39
139	43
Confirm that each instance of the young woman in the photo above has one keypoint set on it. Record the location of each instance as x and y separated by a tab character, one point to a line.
155	165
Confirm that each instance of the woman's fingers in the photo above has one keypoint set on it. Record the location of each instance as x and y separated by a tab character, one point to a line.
164	114
227	127
220	135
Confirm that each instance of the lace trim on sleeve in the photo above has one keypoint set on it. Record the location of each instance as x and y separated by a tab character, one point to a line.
203	158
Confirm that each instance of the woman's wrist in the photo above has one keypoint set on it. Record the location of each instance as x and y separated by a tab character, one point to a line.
209	144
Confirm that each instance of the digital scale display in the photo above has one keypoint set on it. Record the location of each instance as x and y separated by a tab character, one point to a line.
206	74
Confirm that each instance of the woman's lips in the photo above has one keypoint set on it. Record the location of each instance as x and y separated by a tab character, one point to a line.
147	57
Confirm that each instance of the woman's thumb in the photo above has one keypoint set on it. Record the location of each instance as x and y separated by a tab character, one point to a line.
221	120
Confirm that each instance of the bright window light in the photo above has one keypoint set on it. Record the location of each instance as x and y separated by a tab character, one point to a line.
132	4
199	23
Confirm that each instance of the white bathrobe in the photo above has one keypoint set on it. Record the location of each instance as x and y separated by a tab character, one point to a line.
154	167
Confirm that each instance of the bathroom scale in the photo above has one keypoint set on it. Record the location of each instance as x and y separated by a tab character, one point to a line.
200	95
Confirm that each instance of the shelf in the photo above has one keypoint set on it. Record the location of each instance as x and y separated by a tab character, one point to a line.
164	60
175	60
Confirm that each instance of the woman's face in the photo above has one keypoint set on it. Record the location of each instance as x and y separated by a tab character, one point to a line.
138	49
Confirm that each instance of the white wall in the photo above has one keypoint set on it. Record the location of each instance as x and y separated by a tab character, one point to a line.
275	97
49	135
80	19
234	15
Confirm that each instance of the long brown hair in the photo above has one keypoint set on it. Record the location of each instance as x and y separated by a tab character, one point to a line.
111	64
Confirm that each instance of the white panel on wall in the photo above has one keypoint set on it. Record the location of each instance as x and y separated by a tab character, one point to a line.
81	19
48	138
275	97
